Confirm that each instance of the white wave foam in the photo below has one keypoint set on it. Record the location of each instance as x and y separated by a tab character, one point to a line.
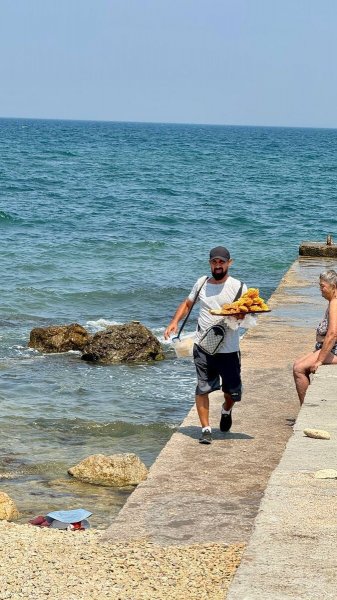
101	324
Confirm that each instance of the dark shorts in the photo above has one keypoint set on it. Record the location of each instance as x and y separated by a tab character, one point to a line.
319	345
211	368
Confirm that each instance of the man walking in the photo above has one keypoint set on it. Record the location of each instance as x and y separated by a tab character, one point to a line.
217	290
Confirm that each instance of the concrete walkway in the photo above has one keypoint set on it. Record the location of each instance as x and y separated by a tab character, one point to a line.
202	494
292	553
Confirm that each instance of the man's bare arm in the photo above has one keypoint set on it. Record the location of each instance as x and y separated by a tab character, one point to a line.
180	313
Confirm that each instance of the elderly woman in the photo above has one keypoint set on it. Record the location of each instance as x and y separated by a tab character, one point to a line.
325	352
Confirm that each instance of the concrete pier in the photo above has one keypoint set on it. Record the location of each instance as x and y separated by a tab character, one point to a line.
201	494
317	249
292	554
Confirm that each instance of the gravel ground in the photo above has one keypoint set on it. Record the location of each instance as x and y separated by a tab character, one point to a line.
74	565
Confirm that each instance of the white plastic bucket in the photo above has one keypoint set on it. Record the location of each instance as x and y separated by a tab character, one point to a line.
183	348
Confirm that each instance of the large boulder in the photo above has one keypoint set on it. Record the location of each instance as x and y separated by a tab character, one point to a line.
131	342
59	338
8	510
115	470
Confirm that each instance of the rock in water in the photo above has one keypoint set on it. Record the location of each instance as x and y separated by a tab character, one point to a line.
59	338
131	342
319	434
8	510
115	470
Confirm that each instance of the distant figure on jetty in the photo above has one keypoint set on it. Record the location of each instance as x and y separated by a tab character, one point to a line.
212	293
325	352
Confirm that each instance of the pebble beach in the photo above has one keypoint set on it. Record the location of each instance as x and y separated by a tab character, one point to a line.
38	563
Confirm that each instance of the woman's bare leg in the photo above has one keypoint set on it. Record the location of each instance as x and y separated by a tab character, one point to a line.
301	371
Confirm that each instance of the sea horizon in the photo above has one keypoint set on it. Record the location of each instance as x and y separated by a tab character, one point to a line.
177	123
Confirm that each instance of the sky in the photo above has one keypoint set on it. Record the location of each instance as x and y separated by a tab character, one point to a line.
231	62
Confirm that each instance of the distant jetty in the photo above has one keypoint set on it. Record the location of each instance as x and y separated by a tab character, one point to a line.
327	248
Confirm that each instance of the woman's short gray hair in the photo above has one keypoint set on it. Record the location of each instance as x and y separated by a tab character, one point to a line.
329	276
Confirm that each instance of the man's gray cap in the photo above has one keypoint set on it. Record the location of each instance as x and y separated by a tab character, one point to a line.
219	252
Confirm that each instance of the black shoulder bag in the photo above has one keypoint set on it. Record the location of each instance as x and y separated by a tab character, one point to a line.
213	337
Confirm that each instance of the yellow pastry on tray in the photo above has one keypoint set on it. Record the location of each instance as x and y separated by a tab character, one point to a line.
250	302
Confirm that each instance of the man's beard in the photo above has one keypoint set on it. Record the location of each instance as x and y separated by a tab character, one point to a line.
218	275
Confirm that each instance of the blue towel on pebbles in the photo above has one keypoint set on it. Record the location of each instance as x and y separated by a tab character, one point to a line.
70	516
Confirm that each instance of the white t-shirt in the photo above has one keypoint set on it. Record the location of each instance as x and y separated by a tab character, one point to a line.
214	295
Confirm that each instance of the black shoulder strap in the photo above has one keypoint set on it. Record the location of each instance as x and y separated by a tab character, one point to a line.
193	303
239	294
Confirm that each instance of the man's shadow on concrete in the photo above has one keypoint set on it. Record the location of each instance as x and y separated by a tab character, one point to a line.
193	432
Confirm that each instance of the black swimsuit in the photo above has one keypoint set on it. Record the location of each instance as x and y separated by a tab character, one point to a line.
322	330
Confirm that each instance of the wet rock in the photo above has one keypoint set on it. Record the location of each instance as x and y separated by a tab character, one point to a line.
319	434
61	482
59	338
131	342
10	475
8	510
116	470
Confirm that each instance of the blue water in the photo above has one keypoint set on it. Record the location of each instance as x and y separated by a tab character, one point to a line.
110	222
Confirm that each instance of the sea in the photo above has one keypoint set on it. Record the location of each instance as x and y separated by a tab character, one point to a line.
104	223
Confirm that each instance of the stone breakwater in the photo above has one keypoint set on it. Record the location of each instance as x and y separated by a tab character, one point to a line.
62	565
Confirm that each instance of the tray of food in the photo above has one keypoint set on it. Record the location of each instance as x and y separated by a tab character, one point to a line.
250	303
230	312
